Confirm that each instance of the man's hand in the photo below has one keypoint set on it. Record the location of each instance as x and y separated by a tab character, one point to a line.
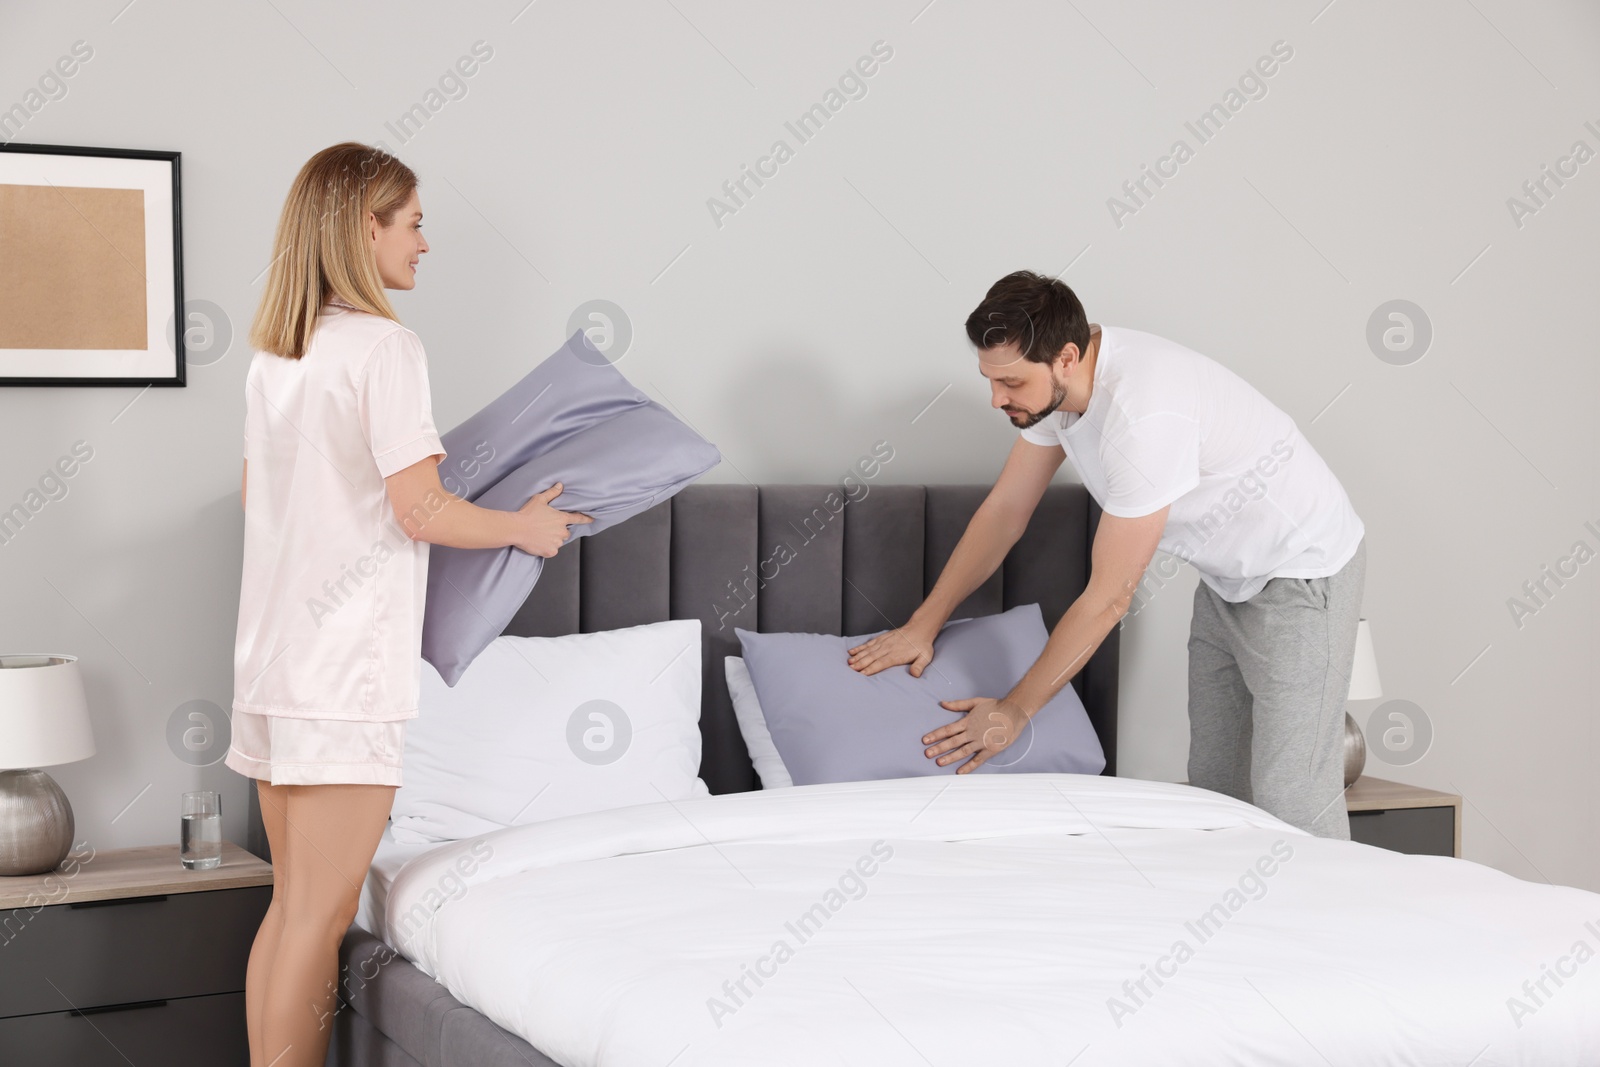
988	727
911	643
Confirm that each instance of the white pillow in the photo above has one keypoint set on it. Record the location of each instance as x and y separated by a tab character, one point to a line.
753	725
543	727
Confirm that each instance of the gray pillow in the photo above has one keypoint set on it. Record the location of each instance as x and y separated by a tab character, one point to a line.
832	724
614	458
567	393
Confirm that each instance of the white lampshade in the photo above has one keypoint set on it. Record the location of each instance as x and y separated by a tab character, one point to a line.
44	717
1364	684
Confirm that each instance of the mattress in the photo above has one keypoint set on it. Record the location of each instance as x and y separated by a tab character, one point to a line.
1019	919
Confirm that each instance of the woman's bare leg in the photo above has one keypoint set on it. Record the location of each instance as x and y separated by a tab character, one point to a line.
274	801
330	835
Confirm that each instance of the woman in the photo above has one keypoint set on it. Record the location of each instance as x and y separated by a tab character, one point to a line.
342	483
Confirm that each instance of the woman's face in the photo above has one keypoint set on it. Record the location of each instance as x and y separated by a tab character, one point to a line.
396	247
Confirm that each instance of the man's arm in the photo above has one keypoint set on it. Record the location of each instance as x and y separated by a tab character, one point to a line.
1122	550
994	528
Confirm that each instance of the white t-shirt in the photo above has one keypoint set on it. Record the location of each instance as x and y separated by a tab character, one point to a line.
1251	499
330	604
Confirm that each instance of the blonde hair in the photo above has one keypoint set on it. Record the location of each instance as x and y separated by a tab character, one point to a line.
322	248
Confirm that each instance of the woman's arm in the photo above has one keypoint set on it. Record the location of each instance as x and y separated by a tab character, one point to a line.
244	480
428	512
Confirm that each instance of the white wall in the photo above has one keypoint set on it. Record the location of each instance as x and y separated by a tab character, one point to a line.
826	313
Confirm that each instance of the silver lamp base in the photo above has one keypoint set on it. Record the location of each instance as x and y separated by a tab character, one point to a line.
36	823
1355	751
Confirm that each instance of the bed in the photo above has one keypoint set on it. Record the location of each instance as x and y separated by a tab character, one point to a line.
1017	919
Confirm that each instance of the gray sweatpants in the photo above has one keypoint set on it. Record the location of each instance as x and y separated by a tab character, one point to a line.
1268	682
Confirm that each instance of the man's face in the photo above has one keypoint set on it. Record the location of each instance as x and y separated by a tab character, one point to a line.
1026	391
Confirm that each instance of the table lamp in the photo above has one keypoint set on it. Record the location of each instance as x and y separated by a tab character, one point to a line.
44	720
1364	685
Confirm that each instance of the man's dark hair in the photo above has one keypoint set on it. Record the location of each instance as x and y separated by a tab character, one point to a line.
1042	315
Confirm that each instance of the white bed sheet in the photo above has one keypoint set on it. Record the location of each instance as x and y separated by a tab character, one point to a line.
390	857
1007	919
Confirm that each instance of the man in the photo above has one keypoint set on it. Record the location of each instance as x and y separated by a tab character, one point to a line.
1183	455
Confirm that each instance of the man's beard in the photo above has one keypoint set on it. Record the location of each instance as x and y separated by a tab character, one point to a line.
1058	396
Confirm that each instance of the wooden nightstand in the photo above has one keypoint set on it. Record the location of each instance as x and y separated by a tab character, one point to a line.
123	957
1404	818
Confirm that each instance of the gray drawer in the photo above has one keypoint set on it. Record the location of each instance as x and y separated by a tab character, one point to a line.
1418	831
198	1030
101	953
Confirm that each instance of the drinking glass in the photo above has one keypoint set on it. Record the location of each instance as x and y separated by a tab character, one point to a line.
200	842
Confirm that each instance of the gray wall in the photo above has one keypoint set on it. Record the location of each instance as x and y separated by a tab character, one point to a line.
824	314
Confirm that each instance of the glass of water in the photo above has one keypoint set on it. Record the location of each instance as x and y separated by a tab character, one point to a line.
200	843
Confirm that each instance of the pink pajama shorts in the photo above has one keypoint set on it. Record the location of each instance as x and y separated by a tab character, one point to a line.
290	751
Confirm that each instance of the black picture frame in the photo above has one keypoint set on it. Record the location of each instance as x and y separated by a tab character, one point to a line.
178	322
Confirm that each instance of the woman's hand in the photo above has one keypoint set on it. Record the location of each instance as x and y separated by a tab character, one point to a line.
911	643
545	528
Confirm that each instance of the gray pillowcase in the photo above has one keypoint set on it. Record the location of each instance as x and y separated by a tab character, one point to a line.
832	724
572	390
616	453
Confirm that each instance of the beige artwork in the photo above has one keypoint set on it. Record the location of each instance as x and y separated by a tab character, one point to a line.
72	268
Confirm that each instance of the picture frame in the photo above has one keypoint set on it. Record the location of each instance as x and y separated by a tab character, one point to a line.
91	266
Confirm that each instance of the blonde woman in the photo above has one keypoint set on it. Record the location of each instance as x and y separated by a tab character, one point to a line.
342	497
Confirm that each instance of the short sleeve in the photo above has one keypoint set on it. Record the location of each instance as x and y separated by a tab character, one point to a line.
1044	431
1149	462
395	404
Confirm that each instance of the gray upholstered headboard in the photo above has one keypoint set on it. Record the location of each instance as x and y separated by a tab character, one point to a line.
780	558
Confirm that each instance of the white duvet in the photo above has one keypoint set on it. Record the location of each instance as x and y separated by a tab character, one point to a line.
1001	919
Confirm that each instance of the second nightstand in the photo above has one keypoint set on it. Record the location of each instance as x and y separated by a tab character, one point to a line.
1404	818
